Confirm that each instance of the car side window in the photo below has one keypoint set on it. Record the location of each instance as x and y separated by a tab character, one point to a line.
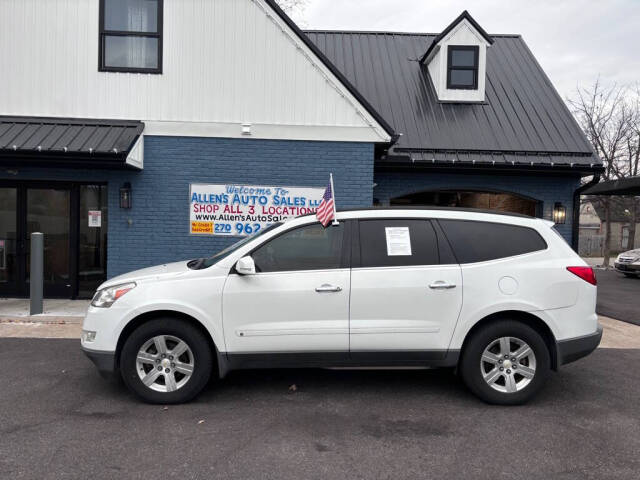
397	243
311	247
474	241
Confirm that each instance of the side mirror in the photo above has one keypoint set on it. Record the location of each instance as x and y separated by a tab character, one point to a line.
246	266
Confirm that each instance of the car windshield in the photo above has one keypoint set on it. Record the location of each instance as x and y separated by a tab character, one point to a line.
207	262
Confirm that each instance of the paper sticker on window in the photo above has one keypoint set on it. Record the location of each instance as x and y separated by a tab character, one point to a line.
398	241
95	218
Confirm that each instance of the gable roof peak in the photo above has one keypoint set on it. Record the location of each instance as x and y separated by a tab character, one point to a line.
465	15
332	68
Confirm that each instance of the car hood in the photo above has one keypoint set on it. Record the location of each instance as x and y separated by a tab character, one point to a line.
631	253
151	273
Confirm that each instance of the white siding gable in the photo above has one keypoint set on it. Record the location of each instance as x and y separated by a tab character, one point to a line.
463	34
225	63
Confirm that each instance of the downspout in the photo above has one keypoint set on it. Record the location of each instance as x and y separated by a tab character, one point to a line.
575	225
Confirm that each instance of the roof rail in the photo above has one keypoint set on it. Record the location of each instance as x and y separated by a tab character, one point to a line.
422	207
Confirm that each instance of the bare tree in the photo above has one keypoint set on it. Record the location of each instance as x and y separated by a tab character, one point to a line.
607	116
631	165
292	6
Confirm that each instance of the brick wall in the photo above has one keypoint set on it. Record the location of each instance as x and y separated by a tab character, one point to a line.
156	229
548	189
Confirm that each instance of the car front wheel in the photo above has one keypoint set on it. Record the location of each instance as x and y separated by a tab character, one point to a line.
166	361
505	363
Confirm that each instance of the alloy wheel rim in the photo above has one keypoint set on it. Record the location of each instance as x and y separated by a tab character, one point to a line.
165	363
508	364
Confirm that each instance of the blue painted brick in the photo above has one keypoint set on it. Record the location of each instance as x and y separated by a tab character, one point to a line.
159	228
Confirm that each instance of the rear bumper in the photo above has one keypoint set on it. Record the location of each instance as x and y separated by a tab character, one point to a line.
105	362
576	348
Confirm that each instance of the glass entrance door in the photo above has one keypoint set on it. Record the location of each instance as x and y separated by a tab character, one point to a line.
8	241
48	211
73	218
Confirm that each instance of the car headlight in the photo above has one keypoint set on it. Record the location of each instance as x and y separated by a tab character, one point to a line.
107	296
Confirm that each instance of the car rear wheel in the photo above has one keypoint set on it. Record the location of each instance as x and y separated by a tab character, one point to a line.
505	363
166	361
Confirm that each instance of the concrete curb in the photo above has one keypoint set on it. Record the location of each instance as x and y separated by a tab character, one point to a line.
40	330
46	319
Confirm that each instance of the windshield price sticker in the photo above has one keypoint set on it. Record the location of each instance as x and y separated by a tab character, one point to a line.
241	210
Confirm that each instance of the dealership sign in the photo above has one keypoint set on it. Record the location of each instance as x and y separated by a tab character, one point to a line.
240	210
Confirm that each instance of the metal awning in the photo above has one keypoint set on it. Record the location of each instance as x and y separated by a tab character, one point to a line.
624	186
42	141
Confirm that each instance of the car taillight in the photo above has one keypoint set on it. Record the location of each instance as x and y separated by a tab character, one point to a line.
585	273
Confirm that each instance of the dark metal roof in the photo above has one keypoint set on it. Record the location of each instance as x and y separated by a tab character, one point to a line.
29	140
623	186
463	16
523	119
336	71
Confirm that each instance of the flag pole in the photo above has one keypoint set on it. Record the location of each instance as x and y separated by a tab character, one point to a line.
333	192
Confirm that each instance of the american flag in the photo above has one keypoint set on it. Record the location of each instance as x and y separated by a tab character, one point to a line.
325	212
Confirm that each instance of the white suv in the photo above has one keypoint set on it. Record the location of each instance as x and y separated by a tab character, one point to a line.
503	298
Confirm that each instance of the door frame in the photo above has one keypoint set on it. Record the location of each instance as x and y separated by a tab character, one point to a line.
21	289
10	289
242	356
441	356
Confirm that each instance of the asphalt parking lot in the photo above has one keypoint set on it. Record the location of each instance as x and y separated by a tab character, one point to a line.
59	419
618	296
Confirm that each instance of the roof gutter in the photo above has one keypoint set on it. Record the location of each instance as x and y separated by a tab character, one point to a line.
575	225
484	167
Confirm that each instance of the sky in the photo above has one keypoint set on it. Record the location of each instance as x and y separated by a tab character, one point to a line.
575	41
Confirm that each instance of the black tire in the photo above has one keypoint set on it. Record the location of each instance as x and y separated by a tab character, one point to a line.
470	366
630	275
196	341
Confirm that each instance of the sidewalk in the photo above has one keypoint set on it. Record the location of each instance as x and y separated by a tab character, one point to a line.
619	334
54	311
598	261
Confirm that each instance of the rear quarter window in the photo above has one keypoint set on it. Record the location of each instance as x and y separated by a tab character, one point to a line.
474	241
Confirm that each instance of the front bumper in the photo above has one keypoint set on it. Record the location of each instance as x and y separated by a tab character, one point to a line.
576	348
627	267
105	362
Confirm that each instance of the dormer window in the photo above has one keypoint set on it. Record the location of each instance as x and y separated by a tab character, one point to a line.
456	61
462	67
130	36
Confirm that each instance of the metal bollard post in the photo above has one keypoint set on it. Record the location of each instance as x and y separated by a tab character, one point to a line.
37	273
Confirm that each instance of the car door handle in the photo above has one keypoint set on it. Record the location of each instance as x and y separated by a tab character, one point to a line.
440	285
327	288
